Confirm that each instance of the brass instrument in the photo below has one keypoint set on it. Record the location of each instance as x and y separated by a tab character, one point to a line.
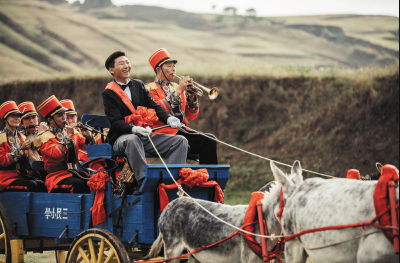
32	152
199	90
126	176
83	127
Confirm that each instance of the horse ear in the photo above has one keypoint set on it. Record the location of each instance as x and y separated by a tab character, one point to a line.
296	174
278	174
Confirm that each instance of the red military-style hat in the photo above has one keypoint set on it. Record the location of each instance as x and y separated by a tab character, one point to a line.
50	107
27	109
7	108
160	57
69	105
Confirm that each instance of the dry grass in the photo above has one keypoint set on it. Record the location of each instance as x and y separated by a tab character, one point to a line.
40	39
46	257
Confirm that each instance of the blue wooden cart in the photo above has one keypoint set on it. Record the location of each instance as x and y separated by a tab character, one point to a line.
62	222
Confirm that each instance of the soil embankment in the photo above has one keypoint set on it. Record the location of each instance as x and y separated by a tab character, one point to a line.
329	124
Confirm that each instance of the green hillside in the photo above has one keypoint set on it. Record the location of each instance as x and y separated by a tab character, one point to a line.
40	40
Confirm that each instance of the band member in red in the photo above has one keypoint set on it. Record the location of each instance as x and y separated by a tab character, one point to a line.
181	102
59	150
132	112
15	171
30	119
72	117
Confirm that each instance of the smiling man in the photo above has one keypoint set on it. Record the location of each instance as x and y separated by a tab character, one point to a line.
132	112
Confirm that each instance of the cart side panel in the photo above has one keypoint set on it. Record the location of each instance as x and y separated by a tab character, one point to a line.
51	214
138	218
47	215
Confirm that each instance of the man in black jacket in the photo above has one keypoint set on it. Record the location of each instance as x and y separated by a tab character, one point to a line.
122	100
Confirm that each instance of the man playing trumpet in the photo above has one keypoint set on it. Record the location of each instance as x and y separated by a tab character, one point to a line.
180	101
59	149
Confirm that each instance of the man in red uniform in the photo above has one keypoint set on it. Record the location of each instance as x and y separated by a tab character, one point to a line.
72	117
30	120
59	150
180	102
14	165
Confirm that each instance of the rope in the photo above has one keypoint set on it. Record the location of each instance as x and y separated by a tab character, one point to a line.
183	191
337	243
362	224
201	248
256	155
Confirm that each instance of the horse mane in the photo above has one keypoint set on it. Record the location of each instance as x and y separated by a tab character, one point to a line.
272	188
374	175
371	176
267	187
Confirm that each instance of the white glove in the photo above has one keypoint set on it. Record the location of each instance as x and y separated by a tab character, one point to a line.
143	131
175	122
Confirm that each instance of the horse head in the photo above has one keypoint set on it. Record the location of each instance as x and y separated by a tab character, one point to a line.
291	182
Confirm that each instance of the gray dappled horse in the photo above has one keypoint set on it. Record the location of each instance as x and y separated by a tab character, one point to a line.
184	225
317	203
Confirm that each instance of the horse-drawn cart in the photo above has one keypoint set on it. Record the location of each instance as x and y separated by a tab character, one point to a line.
63	222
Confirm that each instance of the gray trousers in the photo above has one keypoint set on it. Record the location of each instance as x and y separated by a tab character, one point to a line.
172	148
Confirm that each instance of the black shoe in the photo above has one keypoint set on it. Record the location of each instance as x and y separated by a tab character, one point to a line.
139	184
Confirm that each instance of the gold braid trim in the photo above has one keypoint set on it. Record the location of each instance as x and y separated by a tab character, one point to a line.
151	86
3	138
43	138
22	136
174	85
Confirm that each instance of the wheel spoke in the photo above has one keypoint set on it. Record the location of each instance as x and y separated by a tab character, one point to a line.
92	253
2	236
101	251
83	254
110	257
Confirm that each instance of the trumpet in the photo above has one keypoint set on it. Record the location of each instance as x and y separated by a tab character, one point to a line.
199	90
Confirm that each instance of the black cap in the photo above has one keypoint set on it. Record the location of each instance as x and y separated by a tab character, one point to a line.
110	60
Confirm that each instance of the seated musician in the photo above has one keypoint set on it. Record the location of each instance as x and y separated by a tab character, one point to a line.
30	120
72	117
59	150
126	101
15	171
181	102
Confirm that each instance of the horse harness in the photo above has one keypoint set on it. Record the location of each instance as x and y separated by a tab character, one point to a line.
254	212
387	215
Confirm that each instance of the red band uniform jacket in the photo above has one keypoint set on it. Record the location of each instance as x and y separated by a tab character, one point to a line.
159	96
54	150
8	161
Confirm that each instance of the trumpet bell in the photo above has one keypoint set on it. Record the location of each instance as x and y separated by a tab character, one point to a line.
213	94
198	90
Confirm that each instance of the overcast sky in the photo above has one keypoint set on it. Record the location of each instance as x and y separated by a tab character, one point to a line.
279	7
